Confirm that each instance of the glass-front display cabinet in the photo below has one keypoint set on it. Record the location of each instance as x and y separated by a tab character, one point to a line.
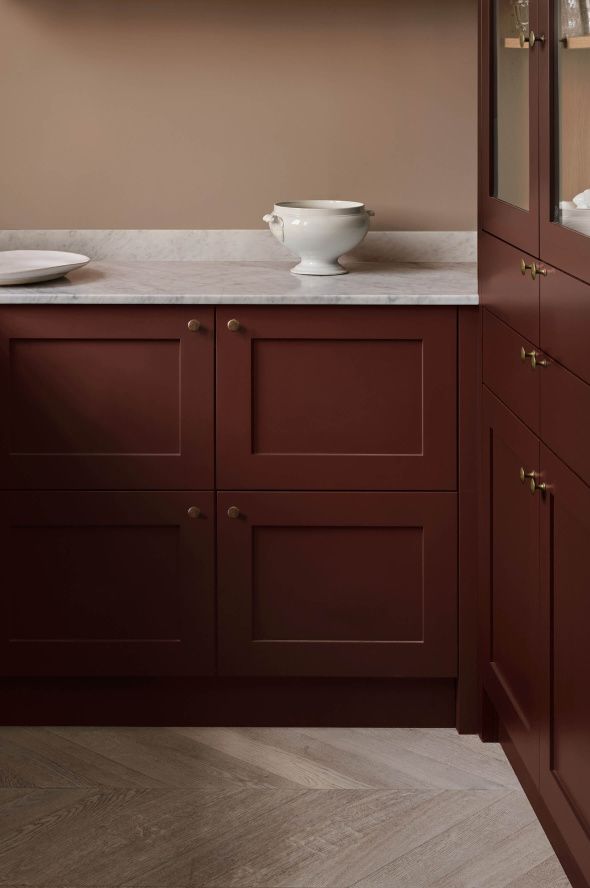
509	196
535	128
565	136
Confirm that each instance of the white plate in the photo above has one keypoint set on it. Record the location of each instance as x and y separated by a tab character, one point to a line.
30	266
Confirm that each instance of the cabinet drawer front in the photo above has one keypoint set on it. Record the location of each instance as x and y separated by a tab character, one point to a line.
516	382
107	584
103	397
315	398
565	417
337	584
511	642
565	321
503	288
565	763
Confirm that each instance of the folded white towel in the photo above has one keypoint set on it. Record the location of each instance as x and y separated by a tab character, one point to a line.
582	201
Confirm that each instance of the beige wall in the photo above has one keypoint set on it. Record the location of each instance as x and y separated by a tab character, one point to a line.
194	114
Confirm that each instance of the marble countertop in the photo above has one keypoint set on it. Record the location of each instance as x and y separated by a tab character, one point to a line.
254	283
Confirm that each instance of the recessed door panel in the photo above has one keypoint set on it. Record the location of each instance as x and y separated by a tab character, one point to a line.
314	398
337	583
106	397
107	583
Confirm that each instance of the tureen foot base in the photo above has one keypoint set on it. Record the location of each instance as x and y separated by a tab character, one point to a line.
313	266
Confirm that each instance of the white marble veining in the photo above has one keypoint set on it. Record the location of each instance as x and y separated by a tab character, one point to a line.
254	283
236	246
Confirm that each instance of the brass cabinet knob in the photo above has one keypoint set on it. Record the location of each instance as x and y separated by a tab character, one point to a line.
233	512
538	269
233	325
524	267
531	40
536	359
193	325
193	512
524	474
538	485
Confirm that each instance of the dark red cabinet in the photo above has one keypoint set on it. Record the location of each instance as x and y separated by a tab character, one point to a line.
565	573
512	650
337	584
337	399
98	397
505	290
102	583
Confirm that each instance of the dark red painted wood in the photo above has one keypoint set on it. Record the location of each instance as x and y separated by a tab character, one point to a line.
269	702
107	584
565	759
504	290
560	246
103	397
565	417
565	321
511	644
511	223
328	398
469	370
326	584
515	382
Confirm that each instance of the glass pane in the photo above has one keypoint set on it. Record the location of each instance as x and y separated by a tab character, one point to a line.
572	204
511	111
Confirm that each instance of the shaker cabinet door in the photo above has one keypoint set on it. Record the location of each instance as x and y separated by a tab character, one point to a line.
107	583
511	649
337	584
337	398
104	397
565	574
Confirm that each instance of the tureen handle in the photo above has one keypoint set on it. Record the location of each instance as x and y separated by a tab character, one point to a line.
272	219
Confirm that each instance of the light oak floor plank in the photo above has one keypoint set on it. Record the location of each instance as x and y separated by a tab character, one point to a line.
264	808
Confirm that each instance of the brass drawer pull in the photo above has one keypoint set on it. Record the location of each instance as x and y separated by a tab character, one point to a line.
193	512
193	325
534	485
536	360
524	267
233	325
233	512
538	269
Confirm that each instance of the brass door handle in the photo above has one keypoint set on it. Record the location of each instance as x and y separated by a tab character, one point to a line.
233	325
538	269
193	325
233	512
531	40
535	358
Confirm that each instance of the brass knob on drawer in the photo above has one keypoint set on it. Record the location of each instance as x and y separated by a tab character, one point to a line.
538	485
537	269
233	512
233	325
535	358
193	325
524	267
193	512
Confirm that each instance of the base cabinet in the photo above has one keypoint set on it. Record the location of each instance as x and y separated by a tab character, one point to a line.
337	584
102	583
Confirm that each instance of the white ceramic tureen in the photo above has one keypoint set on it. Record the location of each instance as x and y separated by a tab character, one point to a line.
319	231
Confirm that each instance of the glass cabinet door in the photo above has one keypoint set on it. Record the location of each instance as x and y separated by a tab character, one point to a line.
510	121
565	99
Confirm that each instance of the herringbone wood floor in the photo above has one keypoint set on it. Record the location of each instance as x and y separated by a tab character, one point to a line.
155	807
